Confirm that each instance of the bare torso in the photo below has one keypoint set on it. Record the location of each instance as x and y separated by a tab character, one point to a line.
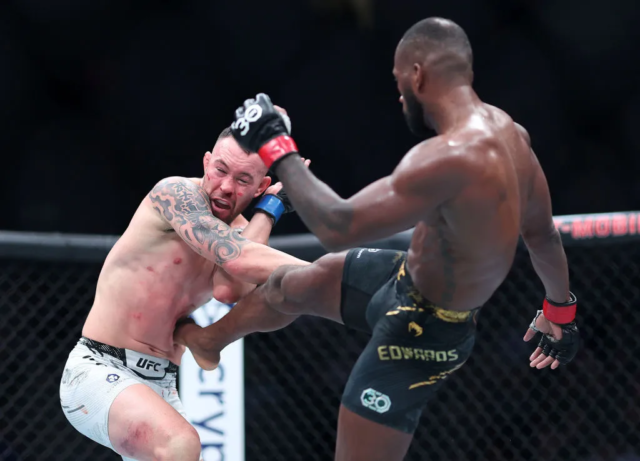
463	251
150	279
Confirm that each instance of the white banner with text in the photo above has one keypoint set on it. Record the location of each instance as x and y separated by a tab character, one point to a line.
214	400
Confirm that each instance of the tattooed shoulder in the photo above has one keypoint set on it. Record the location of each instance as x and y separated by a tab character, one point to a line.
188	209
175	196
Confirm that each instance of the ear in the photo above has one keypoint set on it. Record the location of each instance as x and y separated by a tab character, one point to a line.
206	160
418	78
266	182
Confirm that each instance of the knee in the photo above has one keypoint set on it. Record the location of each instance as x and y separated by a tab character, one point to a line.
274	282
274	289
282	291
180	445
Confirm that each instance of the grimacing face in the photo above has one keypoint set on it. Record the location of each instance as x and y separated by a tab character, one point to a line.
232	178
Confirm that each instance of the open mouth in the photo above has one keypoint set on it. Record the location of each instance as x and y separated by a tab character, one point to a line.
222	204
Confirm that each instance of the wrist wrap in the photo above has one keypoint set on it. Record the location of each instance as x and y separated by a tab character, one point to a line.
276	149
271	205
560	313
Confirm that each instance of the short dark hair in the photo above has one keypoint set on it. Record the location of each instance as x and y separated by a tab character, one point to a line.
226	133
439	34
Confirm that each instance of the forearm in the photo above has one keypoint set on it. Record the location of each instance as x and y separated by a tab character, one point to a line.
550	263
256	263
323	211
259	228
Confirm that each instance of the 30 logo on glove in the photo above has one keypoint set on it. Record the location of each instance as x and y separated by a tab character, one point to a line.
259	127
253	113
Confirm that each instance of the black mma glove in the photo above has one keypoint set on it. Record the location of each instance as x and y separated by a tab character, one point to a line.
259	127
563	315
565	349
288	206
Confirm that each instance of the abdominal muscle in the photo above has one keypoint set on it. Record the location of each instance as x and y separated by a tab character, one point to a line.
459	273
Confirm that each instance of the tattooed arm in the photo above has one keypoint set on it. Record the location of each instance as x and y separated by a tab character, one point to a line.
226	288
392	204
186	207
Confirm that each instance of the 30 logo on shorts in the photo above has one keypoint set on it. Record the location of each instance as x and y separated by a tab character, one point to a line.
112	378
375	400
370	250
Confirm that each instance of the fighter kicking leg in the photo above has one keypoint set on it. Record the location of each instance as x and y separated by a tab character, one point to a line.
368	290
289	292
470	192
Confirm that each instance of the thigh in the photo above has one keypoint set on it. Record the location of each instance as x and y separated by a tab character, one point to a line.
407	359
141	423
337	286
88	388
367	272
172	397
375	422
309	290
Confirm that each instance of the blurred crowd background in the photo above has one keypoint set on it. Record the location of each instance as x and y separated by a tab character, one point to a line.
100	99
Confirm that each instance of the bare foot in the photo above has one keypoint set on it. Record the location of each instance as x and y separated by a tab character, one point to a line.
202	347
206	354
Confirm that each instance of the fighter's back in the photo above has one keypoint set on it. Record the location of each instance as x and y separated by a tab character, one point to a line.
463	251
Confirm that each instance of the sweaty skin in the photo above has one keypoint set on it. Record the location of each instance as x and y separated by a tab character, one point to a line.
469	192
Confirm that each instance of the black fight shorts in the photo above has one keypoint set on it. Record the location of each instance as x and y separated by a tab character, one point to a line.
414	344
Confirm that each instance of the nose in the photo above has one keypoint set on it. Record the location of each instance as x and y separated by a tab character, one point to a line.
401	99
226	186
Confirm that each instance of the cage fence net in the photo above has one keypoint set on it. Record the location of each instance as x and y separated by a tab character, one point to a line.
494	408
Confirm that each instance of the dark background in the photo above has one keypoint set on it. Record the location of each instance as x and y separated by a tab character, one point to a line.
100	99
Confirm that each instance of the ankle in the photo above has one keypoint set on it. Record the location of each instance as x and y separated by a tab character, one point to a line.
187	333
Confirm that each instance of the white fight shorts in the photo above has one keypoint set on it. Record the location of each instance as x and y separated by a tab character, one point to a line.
96	373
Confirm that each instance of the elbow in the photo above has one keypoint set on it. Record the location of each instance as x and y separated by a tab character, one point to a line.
335	235
226	294
545	239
